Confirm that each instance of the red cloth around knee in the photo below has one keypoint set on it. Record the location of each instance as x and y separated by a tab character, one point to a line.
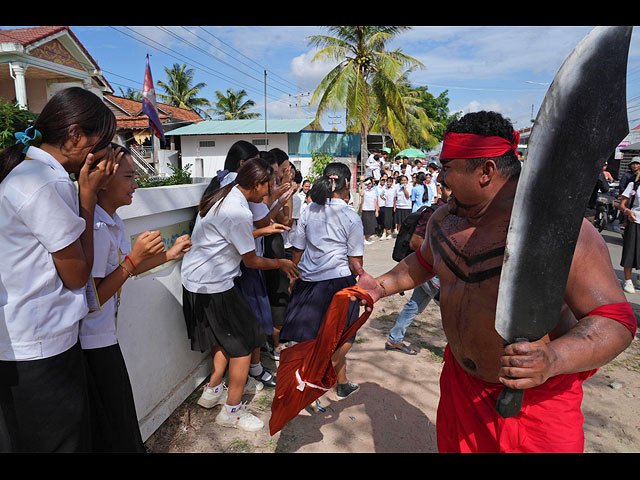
550	420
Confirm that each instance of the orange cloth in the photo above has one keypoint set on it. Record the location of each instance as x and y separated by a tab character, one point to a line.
305	372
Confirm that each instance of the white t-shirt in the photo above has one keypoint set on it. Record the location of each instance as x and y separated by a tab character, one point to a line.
389	194
219	241
402	202
328	234
39	215
98	328
636	202
369	197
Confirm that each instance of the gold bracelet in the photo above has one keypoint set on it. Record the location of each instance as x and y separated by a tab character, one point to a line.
131	275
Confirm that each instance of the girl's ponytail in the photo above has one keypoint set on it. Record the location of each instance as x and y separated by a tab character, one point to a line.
335	178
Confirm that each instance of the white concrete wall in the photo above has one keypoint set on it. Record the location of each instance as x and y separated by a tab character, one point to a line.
151	327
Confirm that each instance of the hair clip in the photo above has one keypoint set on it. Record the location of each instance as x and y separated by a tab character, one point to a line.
23	137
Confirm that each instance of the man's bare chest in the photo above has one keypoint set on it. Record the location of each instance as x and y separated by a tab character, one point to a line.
467	254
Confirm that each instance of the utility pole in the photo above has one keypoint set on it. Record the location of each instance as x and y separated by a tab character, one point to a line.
266	138
298	97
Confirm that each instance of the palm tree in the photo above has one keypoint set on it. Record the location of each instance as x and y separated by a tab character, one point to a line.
416	129
364	76
180	91
231	107
131	94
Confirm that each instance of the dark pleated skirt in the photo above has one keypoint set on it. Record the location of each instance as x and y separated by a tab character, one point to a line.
44	404
630	246
388	218
402	214
276	281
309	304
114	422
369	222
252	284
223	320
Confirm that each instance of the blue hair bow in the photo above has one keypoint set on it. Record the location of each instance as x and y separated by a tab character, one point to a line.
23	137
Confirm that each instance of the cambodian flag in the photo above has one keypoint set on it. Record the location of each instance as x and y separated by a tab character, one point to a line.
149	104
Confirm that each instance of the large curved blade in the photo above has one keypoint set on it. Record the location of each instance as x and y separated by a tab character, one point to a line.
581	121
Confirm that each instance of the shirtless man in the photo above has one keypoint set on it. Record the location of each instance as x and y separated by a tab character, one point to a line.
465	248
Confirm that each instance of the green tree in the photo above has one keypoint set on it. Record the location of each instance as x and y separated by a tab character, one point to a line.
180	90
437	108
364	79
13	119
416	128
232	107
131	94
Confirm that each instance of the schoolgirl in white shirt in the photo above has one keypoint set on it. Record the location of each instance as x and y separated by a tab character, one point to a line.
114	422
369	210
218	316
328	240
46	232
389	198
403	201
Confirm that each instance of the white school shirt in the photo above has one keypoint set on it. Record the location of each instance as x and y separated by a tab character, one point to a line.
636	201
219	241
328	234
98	328
402	202
369	199
39	215
389	195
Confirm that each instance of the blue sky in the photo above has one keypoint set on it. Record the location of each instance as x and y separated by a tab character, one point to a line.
507	69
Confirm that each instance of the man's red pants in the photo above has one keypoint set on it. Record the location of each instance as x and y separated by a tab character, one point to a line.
550	420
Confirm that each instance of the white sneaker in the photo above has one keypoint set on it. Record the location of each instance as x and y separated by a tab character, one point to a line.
241	419
210	398
628	287
367	242
252	385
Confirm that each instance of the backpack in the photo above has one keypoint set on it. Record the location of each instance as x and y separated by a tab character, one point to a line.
401	248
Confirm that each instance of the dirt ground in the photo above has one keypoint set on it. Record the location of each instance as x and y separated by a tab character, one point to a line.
395	409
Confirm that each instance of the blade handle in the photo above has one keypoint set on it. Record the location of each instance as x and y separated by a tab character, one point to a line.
509	402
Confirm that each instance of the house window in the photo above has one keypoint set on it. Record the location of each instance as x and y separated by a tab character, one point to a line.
207	143
259	142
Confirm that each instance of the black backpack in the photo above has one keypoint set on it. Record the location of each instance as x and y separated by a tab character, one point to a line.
401	248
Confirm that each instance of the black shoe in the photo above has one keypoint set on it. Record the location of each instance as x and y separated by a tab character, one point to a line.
346	389
267	378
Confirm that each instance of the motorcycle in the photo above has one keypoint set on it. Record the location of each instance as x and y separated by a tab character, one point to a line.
606	211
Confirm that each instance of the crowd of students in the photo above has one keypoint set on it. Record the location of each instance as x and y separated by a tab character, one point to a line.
390	192
266	255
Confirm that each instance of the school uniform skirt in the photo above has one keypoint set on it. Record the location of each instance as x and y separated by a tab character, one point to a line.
223	320
252	284
631	246
402	214
369	222
276	281
114	422
308	306
44	404
388	218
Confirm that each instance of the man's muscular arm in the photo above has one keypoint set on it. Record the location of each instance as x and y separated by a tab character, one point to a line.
593	341
408	274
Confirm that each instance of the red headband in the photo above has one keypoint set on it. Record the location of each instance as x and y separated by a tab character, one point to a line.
470	145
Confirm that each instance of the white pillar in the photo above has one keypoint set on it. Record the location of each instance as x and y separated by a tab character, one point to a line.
18	72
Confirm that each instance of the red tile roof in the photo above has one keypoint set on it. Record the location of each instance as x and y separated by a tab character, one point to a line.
134	118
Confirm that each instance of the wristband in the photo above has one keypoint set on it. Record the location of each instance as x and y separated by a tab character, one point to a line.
129	258
131	275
